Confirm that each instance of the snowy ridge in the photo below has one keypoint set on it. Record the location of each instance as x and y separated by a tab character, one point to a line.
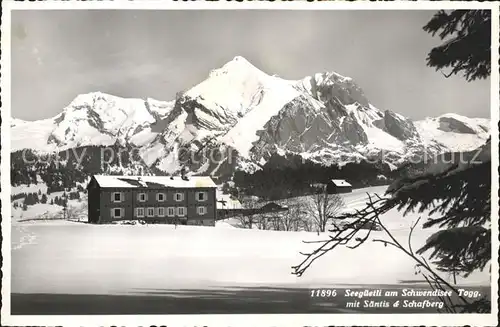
247	95
92	119
324	117
377	138
463	134
16	122
230	90
32	135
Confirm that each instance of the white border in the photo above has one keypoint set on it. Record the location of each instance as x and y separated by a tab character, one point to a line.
233	4
245	319
495	113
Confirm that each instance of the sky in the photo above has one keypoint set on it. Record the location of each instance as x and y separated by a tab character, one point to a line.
57	55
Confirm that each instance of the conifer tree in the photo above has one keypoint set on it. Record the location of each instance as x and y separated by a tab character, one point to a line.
463	243
461	196
468	45
457	192
30	199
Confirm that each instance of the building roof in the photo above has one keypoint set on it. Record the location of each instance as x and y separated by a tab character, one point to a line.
153	181
273	206
340	182
225	201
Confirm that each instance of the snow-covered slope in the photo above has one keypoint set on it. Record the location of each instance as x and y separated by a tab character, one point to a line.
17	122
239	116
247	96
30	135
237	88
71	257
92	119
454	132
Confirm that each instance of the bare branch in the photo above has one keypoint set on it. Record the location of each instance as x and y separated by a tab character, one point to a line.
375	206
412	228
386	242
447	75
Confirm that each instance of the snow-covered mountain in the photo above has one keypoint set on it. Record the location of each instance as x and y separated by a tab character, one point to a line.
92	119
239	117
454	132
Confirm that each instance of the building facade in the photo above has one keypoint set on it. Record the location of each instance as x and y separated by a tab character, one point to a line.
163	199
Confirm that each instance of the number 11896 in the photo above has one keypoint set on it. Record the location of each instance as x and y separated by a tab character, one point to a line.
322	292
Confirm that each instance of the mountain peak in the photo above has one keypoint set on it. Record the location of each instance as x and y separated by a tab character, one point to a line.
238	66
89	98
240	59
233	88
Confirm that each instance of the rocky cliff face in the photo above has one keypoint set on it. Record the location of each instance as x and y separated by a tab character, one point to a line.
239	117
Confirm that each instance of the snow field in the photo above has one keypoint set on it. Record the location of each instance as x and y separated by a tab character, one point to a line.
116	259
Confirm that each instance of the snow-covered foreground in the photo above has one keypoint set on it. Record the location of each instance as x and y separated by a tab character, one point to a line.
78	258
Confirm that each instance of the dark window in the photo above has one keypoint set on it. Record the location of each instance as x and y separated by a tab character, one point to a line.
161	197
117	211
201	196
118	197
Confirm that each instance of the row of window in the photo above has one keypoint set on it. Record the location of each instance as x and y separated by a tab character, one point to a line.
160	197
157	212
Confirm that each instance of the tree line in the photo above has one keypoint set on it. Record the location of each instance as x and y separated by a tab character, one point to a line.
32	198
292	176
65	169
